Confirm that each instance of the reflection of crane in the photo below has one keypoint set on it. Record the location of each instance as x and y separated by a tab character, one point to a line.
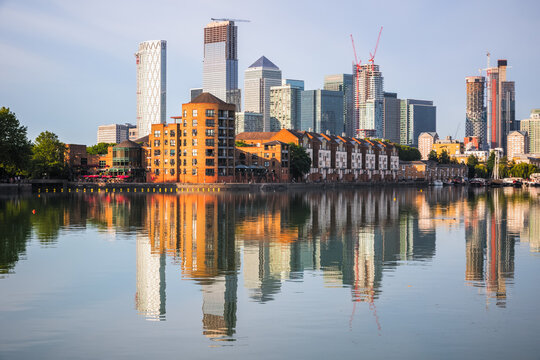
372	56
238	20
357	65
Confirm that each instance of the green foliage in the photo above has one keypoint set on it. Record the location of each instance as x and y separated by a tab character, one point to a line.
491	162
300	161
240	143
444	158
99	149
48	156
433	156
523	170
408	153
472	162
481	171
15	148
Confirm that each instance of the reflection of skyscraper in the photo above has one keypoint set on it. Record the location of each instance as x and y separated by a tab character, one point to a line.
219	306
150	296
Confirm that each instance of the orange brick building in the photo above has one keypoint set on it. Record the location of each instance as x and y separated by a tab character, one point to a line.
199	148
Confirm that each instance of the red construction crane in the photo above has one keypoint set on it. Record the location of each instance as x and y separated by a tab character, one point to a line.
357	67
372	56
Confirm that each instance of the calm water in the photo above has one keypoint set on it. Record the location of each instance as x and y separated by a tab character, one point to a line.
378	273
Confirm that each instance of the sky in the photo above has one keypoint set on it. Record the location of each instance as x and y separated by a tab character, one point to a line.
69	66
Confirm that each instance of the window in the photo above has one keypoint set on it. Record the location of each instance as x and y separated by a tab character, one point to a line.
194	122
185	113
102	163
210	112
165	132
185	132
194	152
193	161
157	152
209	142
156	162
194	142
194	113
184	163
156	171
172	171
210	123
173	152
173	143
157	142
266	155
210	132
185	152
172	161
184	171
267	163
165	152
172	133
185	142
185	123
209	162
209	172
165	142
194	171
165	171
165	161
209	152
157	133
194	132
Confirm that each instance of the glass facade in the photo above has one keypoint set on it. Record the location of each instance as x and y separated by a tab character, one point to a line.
343	83
322	111
416	117
151	85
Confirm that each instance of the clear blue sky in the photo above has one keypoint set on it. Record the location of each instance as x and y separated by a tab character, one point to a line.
68	66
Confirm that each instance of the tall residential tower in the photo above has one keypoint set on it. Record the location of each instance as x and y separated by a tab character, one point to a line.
151	84
369	109
501	103
475	121
220	65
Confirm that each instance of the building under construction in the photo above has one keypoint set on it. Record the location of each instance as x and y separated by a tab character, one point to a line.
475	121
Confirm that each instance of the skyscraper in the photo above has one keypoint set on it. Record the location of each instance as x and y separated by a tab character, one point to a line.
220	65
369	107
391	117
416	117
151	84
532	127
475	121
343	83
258	79
285	104
322	110
501	99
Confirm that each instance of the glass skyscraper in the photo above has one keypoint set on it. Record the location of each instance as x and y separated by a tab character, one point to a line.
416	117
220	65
151	84
322	110
344	83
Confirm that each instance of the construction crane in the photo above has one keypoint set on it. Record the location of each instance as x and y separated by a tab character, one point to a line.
357	66
238	20
372	56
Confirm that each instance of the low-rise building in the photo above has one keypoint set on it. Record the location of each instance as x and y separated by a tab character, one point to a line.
425	143
452	147
517	144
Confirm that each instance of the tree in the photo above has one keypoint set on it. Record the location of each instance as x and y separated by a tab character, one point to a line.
300	161
99	149
523	170
481	171
433	156
491	162
48	156
444	158
15	148
408	153
240	143
472	161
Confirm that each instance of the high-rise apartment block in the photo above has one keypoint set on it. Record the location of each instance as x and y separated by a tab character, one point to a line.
322	111
369	103
344	83
391	117
114	133
501	102
518	144
151	59
249	122
416	116
532	127
258	79
475	120
220	64
285	105
199	148
425	143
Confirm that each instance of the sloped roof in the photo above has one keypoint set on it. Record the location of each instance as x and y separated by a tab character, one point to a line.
265	63
207	98
128	144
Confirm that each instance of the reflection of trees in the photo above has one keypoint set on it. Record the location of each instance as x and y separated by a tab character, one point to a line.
15	230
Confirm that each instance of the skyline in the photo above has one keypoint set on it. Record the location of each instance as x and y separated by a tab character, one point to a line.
66	62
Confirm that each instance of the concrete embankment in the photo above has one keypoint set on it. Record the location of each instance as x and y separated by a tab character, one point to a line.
61	187
15	189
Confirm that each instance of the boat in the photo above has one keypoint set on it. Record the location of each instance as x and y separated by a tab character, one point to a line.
437	183
478	182
513	181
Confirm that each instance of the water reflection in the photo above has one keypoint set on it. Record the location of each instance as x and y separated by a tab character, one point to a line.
259	241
